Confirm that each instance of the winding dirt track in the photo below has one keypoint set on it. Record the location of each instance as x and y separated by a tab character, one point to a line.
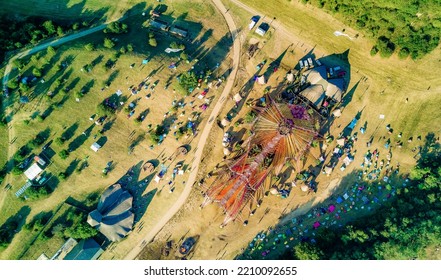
202	140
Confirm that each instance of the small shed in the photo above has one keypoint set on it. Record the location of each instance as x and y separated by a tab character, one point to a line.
33	171
95	147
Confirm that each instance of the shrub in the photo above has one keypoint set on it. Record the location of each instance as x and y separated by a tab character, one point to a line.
129	47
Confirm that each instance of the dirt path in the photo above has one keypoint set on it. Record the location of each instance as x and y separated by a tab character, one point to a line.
203	139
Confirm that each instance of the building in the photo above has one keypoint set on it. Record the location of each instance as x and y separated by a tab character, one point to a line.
321	88
159	24
113	217
86	249
262	29
33	172
176	30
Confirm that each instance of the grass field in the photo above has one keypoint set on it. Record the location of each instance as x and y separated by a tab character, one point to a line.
66	116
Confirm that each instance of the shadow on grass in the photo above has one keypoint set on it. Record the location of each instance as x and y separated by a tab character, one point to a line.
13	225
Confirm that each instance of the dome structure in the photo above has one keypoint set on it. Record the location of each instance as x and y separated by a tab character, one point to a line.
113	216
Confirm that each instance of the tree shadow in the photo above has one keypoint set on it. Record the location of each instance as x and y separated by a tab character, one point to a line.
70	132
13	225
80	139
71	168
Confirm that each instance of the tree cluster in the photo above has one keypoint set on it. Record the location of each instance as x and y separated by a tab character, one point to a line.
15	34
408	27
116	27
404	228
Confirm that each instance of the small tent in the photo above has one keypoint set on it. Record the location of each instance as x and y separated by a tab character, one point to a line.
328	170
95	147
261	80
225	122
237	97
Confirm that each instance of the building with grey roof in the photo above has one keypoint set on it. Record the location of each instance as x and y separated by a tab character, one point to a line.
113	216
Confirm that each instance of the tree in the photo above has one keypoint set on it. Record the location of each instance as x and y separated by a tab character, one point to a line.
51	51
250	116
49	26
60	31
188	80
123	50
36	72
183	56
89	47
12	84
24	87
59	141
108	43
129	47
306	251
64	154
80	231
403	53
152	42
75	26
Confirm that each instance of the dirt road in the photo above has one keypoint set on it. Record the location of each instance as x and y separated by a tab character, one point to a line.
203	139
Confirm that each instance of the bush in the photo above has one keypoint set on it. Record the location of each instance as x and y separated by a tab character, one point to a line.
129	47
123	50
62	176
374	50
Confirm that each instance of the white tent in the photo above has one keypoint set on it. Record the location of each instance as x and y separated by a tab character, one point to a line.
337	113
261	80
225	122
95	147
341	141
33	171
227	151
274	191
290	77
304	188
237	97
328	170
